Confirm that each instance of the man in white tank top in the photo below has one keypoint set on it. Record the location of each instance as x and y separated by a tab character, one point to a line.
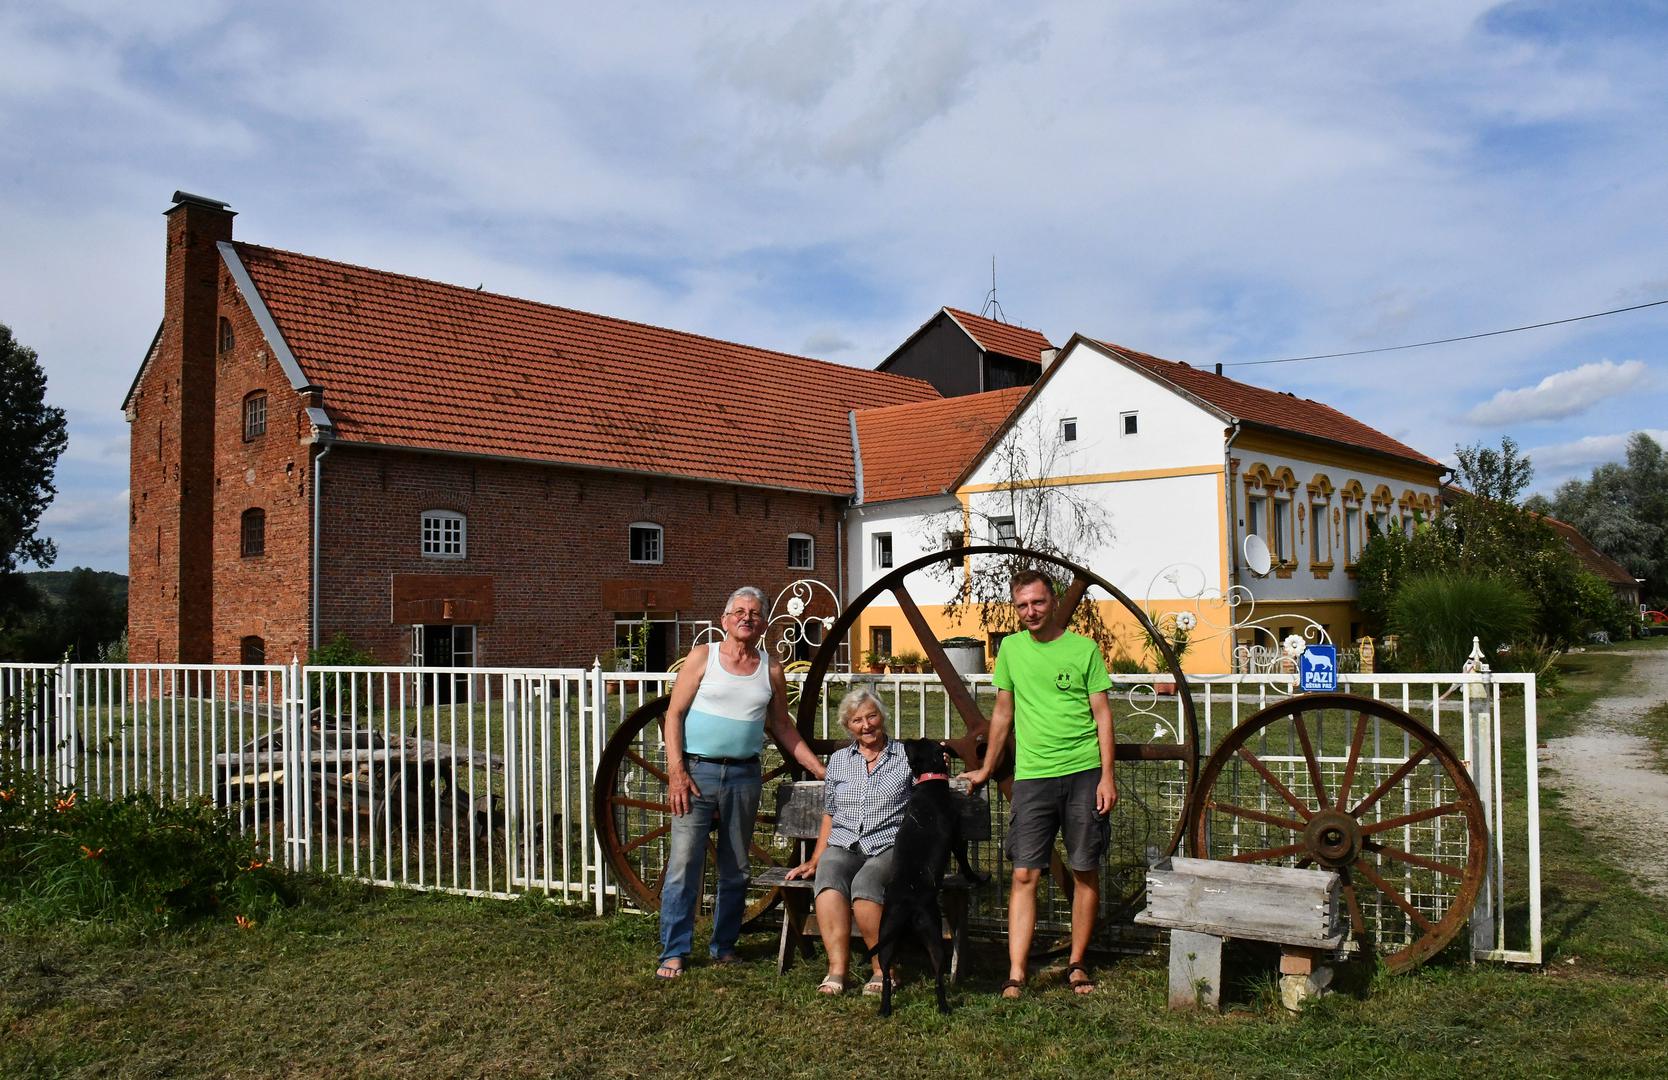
726	698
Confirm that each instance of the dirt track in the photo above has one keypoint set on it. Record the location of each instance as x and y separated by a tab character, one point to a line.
1607	777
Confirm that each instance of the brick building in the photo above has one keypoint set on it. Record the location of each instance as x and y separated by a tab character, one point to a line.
451	476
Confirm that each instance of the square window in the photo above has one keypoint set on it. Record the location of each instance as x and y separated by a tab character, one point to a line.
1068	429
646	543
953	539
1129	423
801	552
1002	530
883	551
445	535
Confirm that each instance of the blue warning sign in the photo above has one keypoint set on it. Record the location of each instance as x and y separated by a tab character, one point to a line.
1318	667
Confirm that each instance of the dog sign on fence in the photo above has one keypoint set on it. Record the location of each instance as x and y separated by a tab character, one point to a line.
1318	667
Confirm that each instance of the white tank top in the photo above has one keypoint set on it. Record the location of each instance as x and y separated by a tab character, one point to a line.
727	717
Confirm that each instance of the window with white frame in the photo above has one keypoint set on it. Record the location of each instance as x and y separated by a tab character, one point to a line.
445	535
953	538
802	551
1068	429
1129	423
646	542
1002	530
883	551
254	415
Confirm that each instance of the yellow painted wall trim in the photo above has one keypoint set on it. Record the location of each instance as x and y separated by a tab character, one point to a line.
1251	442
1103	478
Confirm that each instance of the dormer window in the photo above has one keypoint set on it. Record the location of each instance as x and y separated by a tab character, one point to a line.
227	338
445	535
254	414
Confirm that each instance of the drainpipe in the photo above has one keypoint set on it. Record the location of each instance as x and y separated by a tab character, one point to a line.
318	510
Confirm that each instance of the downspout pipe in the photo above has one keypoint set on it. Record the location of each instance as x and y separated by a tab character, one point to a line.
318	514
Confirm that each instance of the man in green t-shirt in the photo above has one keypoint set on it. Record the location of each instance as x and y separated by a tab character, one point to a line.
1051	692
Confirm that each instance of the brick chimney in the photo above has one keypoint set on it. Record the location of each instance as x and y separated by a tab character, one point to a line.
171	538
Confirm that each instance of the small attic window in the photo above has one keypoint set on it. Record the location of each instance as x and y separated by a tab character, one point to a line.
1129	423
1068	429
227	338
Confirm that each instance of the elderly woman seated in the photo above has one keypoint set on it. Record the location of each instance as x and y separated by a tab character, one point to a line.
865	793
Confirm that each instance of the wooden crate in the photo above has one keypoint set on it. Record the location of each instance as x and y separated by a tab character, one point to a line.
1242	900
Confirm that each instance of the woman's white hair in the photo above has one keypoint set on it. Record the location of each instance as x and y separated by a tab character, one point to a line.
855	699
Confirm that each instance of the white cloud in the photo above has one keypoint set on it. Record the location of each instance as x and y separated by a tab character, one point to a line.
1580	454
1561	394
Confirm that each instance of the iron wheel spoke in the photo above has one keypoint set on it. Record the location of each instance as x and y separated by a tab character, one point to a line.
1255	815
1394	896
1357	921
1269	853
651	835
648	766
959	694
1354	760
641	804
1409	819
1310	759
1414	860
1069	600
1392	780
1285	793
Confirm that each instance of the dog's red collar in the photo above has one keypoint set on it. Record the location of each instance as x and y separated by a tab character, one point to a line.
924	777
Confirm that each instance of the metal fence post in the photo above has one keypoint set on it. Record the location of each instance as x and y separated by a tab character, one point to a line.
597	738
65	730
297	736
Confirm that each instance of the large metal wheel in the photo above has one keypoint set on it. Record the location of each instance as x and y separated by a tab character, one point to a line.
1155	780
1354	785
634	819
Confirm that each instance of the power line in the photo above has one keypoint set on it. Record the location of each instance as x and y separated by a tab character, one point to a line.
1448	340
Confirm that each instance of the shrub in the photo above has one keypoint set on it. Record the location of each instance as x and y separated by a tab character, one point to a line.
64	857
1435	616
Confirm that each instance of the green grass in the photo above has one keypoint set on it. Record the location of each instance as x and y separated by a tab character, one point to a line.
355	981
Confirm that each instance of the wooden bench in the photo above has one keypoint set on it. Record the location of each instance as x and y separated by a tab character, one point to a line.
1203	902
799	810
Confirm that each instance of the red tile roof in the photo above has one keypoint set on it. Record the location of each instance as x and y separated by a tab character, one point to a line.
920	449
408	362
999	337
1594	559
1270	408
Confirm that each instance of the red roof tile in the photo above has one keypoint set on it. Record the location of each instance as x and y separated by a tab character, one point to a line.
999	337
408	362
1270	408
919	449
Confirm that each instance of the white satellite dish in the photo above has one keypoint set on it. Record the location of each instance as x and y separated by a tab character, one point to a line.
1257	556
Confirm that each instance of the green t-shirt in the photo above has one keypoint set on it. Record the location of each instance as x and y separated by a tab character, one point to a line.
1054	730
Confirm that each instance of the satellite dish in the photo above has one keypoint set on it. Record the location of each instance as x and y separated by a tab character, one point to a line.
1257	556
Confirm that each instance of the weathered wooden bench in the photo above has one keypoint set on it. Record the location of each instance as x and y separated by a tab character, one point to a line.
799	808
1203	902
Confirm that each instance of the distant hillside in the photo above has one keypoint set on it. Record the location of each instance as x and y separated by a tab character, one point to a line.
54	584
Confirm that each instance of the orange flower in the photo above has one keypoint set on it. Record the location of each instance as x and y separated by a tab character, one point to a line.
254	864
65	804
7	795
91	853
244	922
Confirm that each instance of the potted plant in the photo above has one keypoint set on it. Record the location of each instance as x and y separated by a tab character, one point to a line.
875	661
908	661
966	654
1164	682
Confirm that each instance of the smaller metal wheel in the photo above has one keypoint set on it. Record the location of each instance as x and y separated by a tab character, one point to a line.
633	818
1357	786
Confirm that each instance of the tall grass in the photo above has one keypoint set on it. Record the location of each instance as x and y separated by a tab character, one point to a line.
1435	616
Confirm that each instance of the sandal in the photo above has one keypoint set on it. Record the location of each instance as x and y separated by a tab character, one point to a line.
832	984
874	987
1016	985
669	971
727	959
1085	985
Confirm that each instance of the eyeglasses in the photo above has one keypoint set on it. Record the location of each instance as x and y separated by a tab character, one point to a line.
746	616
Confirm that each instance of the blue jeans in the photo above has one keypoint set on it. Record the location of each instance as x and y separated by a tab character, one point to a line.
729	794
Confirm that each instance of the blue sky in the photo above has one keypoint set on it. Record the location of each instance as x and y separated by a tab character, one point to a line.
1206	182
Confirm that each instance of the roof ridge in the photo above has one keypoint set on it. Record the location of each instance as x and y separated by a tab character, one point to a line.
956	401
615	319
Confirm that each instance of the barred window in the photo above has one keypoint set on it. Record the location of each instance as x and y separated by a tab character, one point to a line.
253	532
254	415
445	535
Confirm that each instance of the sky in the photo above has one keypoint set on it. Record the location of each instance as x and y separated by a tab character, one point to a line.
1208	182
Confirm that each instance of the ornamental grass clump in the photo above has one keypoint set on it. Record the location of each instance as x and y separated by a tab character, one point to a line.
134	860
1435	616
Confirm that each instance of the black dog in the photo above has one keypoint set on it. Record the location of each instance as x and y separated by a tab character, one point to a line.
930	833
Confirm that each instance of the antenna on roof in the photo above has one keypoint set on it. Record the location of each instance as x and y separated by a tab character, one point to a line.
992	305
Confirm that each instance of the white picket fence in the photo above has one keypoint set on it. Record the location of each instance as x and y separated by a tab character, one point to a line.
479	780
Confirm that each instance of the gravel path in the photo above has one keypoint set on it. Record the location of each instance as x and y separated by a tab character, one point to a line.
1606	778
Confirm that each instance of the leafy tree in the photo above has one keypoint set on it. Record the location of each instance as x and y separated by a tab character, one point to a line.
1041	516
1500	475
32	435
1623	509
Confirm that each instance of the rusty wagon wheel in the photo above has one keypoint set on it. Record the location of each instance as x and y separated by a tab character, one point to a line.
1155	780
1354	785
633	818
